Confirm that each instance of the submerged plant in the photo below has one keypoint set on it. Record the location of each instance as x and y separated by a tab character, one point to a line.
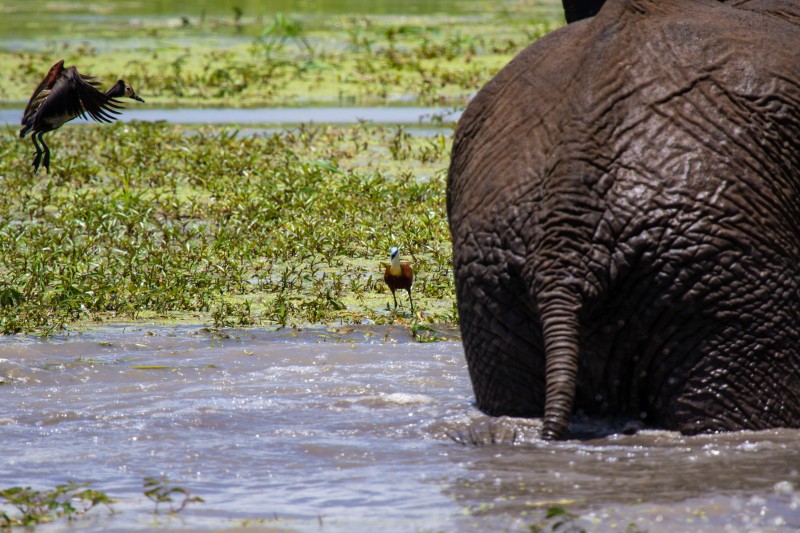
159	490
423	333
558	519
70	500
562	520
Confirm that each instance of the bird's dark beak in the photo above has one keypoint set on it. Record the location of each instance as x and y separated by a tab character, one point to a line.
137	98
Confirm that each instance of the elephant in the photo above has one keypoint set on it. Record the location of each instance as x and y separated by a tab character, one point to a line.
575	10
624	206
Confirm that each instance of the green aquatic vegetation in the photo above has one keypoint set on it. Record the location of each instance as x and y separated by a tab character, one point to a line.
150	221
291	61
424	333
282	31
159	490
558	519
74	500
33	507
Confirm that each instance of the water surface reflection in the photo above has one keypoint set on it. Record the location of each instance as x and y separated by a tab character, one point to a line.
277	115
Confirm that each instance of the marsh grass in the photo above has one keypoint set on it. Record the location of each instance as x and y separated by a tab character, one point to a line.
350	60
158	222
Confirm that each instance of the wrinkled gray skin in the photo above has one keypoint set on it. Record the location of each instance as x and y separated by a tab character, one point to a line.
624	201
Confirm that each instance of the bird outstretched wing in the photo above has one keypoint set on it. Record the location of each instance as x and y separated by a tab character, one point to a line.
74	95
93	102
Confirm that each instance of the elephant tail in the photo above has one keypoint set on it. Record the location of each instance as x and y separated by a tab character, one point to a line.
559	316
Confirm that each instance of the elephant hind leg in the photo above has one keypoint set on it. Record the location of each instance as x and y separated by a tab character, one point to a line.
734	393
749	374
502	343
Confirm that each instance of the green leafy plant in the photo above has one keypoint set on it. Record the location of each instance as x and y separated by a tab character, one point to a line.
10	297
558	519
159	490
424	333
70	500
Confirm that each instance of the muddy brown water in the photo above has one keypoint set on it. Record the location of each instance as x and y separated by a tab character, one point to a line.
358	429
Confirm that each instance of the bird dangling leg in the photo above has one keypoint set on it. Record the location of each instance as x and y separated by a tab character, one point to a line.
46	162
410	299
37	156
395	299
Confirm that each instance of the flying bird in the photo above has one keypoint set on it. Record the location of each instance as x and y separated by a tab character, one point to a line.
399	276
63	95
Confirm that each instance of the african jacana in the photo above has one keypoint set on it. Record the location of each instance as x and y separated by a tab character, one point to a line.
399	276
63	95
